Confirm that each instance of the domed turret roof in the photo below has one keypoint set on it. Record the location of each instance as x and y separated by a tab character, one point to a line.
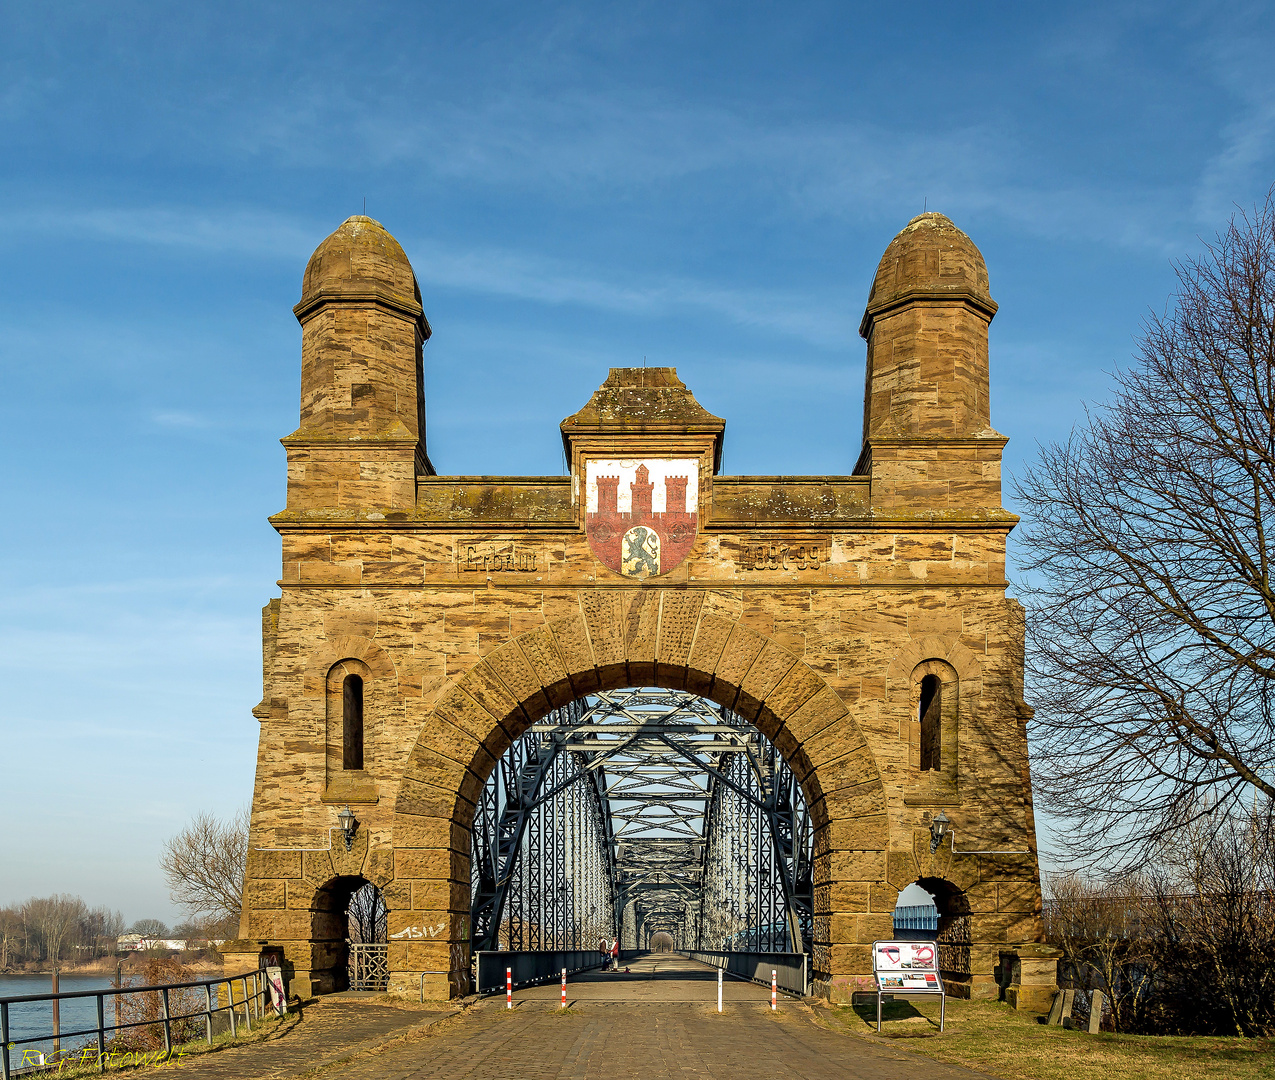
930	259
361	259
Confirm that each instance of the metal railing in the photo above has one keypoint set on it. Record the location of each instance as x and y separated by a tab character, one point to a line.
791	969
531	967
252	1003
369	967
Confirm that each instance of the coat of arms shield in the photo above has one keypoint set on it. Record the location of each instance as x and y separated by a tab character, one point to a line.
641	515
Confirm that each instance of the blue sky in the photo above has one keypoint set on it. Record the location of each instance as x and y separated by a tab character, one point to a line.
708	186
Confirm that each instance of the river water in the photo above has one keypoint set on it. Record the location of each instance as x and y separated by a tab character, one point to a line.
35	1020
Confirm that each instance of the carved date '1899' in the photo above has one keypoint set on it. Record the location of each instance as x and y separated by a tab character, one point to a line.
783	555
477	560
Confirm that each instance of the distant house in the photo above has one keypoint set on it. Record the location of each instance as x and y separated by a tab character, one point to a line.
140	943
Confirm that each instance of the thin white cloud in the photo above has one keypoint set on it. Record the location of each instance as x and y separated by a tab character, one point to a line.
1245	159
591	147
175	418
490	271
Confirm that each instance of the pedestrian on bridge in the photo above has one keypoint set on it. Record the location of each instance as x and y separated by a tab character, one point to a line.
615	954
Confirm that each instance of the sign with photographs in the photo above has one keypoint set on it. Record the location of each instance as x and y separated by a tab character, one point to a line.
905	966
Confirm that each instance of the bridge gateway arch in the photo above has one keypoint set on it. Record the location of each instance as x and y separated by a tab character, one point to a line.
859	623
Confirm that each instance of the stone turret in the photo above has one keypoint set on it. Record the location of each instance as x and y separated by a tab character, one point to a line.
361	441
927	440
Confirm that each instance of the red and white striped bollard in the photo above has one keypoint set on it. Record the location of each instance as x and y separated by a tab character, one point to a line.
509	988
564	988
774	987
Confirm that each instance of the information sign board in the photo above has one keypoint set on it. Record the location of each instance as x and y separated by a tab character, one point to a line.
907	967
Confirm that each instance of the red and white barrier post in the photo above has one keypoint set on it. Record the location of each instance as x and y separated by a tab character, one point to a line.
509	988
564	988
719	989
774	987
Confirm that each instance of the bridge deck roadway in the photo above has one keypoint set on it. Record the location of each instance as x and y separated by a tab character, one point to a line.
659	1022
651	979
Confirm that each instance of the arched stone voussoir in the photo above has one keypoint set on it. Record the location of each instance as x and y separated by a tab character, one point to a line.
640	622
946	647
420	831
767	671
679	619
601	612
546	669
822	716
905	660
965	661
711	636
420	799
461	709
571	638
740	652
797	687
484	684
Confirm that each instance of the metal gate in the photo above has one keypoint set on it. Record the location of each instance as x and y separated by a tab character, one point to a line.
369	967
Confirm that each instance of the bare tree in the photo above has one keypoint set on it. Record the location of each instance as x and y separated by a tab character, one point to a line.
1213	926
12	935
368	915
204	865
1150	547
101	930
1102	929
56	922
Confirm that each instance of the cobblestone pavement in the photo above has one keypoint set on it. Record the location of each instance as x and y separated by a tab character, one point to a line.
660	1021
627	1042
329	1030
652	978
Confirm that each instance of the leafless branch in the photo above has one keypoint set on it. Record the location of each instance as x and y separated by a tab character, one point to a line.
1151	611
204	865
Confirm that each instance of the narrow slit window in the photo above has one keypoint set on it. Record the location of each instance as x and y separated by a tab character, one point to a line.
931	717
352	722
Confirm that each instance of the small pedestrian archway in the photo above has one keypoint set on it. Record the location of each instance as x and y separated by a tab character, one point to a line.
661	942
348	926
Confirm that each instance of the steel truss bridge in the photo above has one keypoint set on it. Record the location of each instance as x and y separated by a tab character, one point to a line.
638	811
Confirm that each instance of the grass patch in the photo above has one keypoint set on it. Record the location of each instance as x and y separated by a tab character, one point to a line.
994	1038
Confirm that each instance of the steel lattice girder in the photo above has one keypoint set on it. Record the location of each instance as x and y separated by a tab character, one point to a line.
689	802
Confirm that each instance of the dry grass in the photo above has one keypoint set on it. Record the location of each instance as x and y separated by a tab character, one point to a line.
265	1028
993	1038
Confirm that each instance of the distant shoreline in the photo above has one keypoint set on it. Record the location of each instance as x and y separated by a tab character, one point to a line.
132	964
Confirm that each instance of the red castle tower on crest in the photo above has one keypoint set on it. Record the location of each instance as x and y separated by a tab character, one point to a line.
622	540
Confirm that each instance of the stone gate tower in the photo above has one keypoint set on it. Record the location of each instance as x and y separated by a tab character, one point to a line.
426	621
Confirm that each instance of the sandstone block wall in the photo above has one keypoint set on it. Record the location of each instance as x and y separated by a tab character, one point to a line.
813	606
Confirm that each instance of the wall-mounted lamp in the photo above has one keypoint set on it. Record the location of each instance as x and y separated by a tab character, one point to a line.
938	829
348	825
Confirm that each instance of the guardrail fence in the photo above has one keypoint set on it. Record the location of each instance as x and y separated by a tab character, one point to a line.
531	967
169	1010
791	969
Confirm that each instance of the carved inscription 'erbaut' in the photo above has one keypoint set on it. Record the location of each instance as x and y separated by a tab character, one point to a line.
479	559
